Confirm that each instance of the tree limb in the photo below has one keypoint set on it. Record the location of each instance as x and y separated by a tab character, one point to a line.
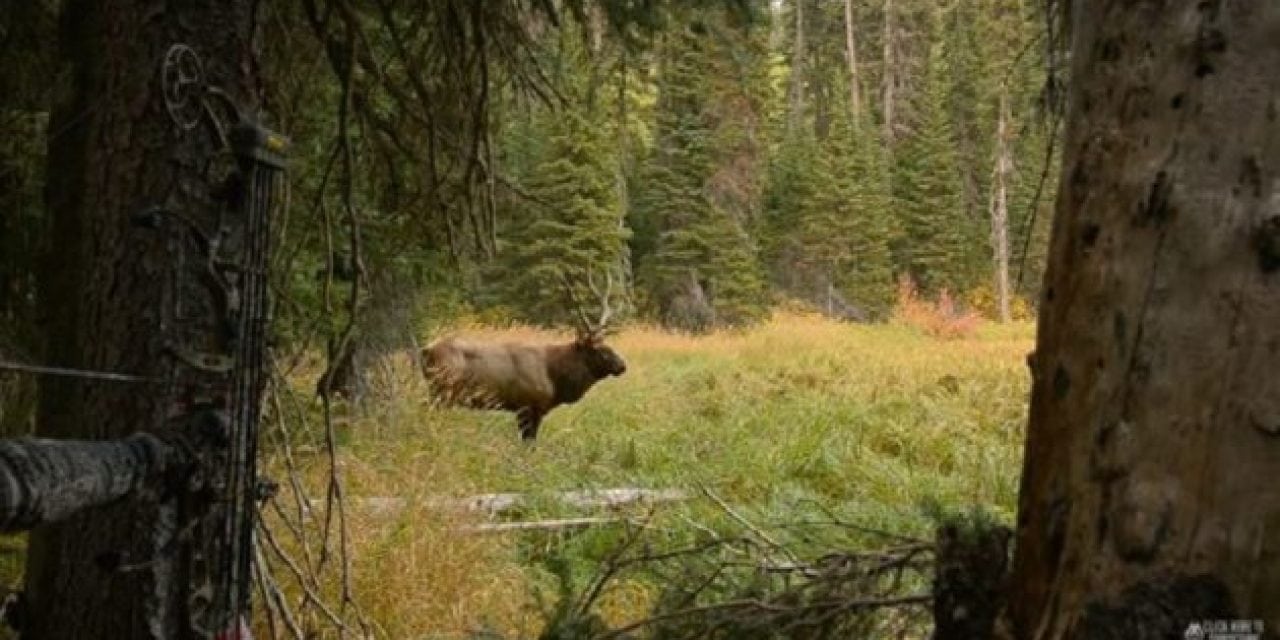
44	481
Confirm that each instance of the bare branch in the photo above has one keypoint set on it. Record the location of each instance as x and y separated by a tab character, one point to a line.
310	595
273	597
746	523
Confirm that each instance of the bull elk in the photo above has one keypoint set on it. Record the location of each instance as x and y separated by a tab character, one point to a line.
527	379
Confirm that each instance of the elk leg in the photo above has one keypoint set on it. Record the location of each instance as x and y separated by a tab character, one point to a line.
530	420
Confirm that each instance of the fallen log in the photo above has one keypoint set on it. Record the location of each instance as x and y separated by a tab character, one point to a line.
498	503
540	525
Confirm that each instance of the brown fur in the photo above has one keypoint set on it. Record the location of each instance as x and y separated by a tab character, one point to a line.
526	379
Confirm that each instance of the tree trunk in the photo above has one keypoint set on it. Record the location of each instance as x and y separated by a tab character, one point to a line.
851	54
115	297
796	99
1149	495
1000	207
831	296
889	72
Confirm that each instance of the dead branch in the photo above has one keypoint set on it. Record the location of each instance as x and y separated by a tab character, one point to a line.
828	596
310	596
746	523
273	597
611	565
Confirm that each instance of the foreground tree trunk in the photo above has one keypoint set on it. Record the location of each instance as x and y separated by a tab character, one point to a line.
1149	496
112	298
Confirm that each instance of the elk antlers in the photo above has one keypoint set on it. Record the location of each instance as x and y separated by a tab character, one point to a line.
587	327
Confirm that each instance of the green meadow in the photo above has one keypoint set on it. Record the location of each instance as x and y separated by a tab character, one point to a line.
800	420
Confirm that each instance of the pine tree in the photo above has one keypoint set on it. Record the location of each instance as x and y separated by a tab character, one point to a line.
939	245
573	228
793	186
972	42
859	196
568	219
829	219
691	232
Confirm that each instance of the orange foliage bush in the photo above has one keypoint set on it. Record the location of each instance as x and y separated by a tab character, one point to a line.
940	319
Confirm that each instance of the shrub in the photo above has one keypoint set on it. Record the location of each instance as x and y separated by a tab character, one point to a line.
942	318
982	299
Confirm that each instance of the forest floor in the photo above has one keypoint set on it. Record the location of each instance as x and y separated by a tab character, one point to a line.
797	420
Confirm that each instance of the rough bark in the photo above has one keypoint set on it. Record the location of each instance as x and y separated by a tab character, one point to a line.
851	56
111	299
1149	494
1000	208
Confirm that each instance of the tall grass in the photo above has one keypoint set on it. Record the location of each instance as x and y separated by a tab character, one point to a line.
788	421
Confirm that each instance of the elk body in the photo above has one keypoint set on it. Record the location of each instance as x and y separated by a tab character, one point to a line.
527	379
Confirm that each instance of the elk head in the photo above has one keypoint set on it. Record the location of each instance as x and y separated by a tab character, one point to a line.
589	342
